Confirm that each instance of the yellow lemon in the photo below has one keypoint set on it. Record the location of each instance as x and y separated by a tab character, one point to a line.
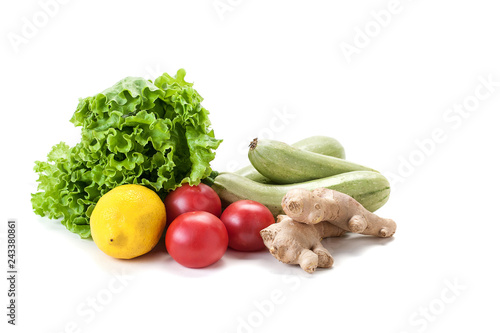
128	221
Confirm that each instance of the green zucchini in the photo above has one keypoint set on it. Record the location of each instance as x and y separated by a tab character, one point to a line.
371	189
323	145
317	144
284	164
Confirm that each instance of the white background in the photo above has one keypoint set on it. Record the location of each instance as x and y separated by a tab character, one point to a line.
271	69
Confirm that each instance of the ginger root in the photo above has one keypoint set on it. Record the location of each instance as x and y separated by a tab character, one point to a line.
337	208
314	215
293	242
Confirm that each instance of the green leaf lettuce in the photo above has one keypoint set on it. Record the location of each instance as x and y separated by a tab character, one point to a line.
136	132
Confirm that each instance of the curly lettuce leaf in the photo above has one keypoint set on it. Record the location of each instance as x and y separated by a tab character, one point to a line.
136	132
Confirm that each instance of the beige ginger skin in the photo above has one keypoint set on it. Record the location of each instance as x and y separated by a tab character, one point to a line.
293	242
337	208
314	215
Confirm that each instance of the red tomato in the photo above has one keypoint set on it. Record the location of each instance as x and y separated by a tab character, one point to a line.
244	219
196	239
190	199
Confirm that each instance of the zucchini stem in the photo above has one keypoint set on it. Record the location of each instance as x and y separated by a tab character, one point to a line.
253	144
